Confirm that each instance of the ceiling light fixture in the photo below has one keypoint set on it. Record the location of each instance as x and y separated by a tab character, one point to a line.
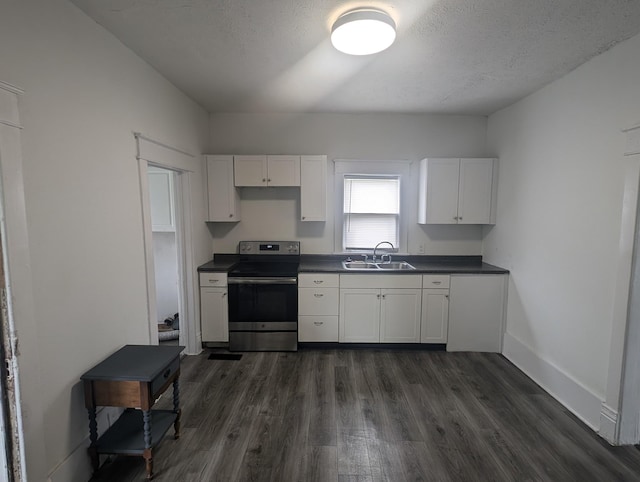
363	31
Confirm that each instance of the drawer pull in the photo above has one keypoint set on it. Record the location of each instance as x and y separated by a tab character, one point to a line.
318	295
167	373
318	281
318	323
436	282
214	281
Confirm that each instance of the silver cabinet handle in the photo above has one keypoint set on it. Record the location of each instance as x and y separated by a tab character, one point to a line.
214	281
318	295
318	281
318	323
437	282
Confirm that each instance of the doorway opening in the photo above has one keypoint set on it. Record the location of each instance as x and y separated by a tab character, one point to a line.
162	198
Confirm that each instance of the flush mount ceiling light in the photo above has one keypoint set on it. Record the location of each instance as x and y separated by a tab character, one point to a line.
363	31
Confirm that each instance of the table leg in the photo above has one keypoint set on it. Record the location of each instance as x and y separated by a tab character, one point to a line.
148	458
176	408
93	437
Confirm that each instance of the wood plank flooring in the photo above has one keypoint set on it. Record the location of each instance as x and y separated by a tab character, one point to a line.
373	415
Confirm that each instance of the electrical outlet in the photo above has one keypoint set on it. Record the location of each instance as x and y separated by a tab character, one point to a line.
421	249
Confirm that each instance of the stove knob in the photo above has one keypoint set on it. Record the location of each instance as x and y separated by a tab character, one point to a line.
248	247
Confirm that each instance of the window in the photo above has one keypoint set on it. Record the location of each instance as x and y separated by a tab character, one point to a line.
371	211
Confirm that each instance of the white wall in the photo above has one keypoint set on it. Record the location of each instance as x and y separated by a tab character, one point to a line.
85	94
269	213
559	215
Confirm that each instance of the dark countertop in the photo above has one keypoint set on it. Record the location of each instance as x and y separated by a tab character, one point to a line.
319	263
221	263
423	265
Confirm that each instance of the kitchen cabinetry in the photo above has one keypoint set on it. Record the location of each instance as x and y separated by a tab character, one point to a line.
214	314
260	171
380	308
458	191
313	188
435	309
161	199
476	312
224	202
318	307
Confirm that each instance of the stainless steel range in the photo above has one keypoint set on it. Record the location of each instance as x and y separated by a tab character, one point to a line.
263	297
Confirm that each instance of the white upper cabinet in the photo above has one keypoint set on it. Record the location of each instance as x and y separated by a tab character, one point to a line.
260	171
313	188
224	202
458	191
161	199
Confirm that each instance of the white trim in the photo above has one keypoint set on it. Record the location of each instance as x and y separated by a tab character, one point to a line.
632	141
608	423
25	362
577	398
162	155
11	88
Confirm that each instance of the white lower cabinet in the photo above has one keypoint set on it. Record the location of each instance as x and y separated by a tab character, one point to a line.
214	314
476	312
435	308
435	316
380	308
318	307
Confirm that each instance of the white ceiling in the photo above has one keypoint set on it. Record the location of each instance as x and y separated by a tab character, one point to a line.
451	56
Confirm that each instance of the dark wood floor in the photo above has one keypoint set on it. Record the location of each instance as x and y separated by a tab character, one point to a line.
373	415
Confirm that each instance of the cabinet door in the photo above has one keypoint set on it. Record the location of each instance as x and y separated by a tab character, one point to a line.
214	315
475	190
359	316
283	170
435	316
442	191
476	312
400	316
250	170
224	202
313	188
161	199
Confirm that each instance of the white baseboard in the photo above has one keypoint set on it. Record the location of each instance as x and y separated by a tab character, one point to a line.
77	466
608	424
579	400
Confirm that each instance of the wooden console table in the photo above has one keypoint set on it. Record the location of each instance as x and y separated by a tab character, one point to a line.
133	377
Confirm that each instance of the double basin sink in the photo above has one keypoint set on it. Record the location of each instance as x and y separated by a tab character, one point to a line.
371	266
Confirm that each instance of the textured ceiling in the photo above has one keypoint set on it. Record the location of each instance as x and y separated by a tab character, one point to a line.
451	56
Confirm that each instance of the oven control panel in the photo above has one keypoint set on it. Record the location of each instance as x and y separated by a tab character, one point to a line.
269	247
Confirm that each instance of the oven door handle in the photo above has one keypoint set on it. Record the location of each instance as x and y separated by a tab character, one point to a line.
262	281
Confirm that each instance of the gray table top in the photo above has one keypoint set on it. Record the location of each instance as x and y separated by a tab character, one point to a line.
134	363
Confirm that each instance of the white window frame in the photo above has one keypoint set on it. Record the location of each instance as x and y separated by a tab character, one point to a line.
398	168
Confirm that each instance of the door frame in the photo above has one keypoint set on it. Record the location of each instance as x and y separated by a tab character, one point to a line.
184	164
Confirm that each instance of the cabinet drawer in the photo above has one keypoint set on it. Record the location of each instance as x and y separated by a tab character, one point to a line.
435	281
318	301
318	280
157	384
380	281
318	329
213	279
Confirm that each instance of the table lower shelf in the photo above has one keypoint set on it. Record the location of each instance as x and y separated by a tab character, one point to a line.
126	436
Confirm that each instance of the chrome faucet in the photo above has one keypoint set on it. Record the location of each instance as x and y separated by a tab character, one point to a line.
382	257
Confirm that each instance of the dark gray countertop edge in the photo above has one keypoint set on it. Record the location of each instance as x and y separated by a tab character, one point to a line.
323	263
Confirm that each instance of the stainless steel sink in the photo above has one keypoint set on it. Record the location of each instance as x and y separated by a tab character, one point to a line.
359	265
395	266
368	266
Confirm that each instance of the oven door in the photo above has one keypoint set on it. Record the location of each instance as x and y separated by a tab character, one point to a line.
263	313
